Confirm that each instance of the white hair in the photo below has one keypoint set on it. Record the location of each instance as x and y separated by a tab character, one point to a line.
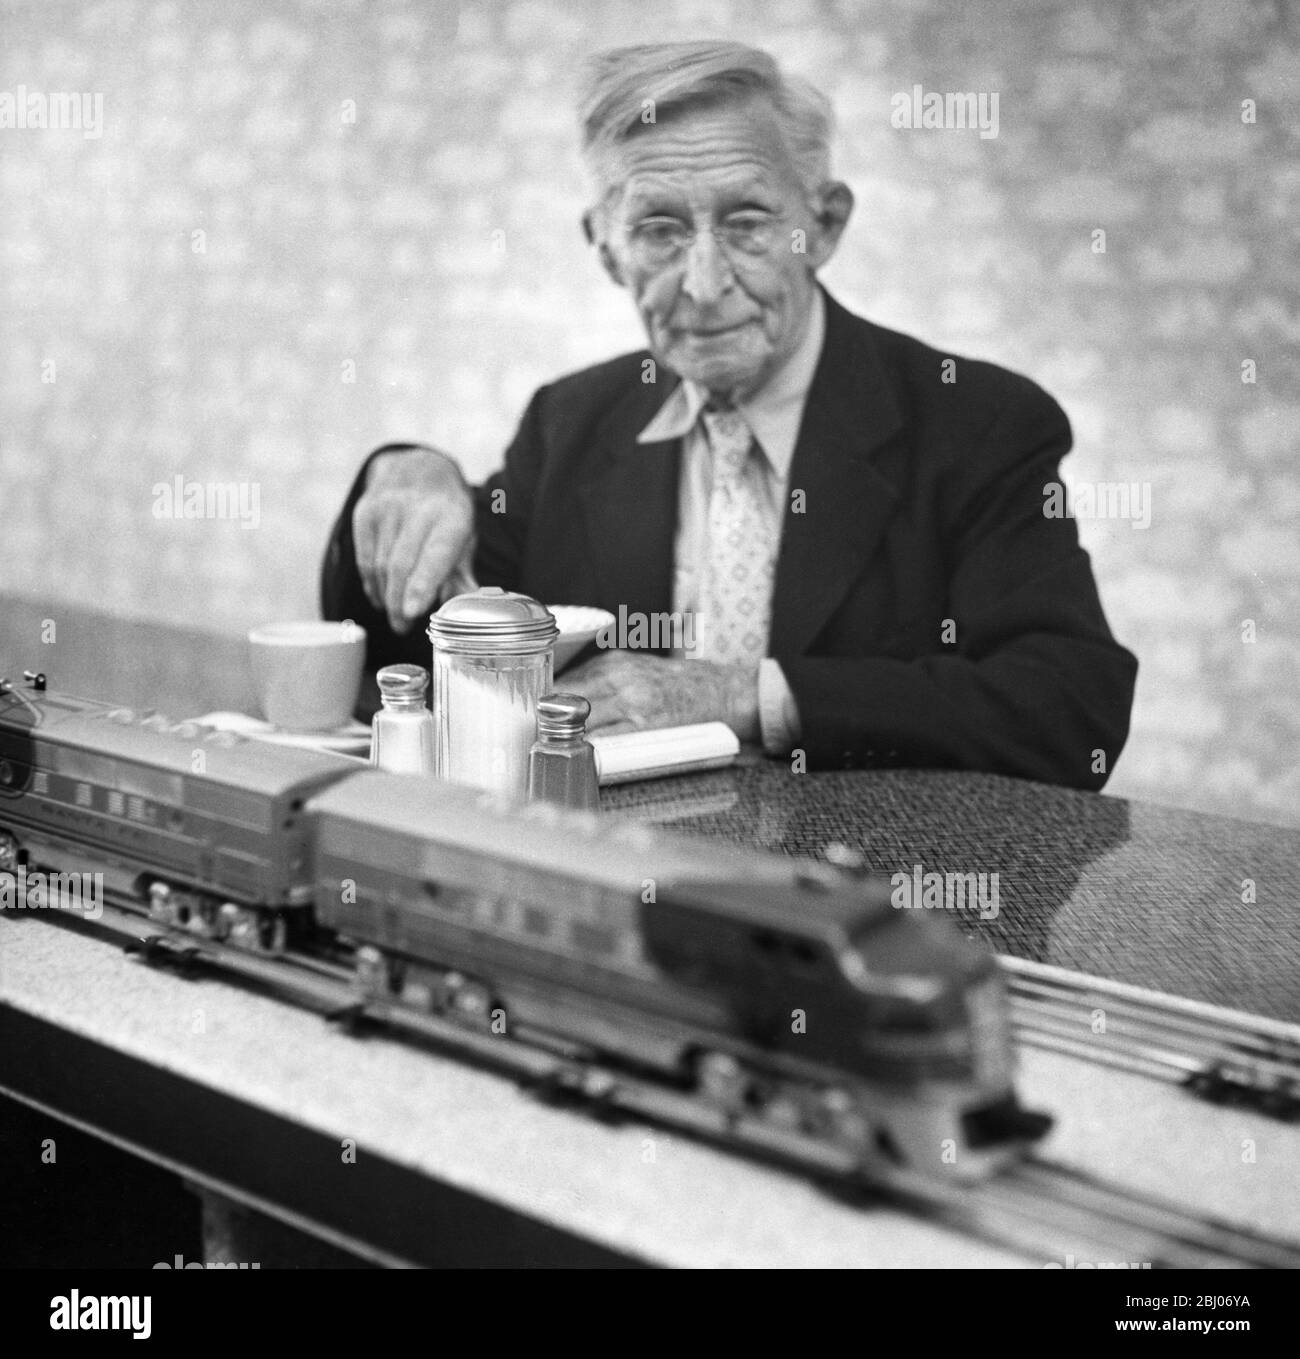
627	88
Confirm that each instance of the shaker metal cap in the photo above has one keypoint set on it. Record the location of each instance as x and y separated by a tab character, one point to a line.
402	681
562	715
491	619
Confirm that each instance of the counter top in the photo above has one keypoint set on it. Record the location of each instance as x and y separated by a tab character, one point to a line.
1199	906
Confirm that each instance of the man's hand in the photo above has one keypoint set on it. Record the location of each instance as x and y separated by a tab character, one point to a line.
632	691
412	527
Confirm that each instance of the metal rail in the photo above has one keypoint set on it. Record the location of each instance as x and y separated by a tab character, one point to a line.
1225	1056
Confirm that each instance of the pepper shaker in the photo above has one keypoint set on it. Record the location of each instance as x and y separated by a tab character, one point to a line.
562	763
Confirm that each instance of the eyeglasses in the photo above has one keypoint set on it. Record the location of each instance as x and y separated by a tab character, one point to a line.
657	242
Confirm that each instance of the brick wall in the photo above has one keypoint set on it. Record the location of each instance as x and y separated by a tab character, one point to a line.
308	228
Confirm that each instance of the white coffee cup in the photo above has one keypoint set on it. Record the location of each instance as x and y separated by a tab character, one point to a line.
307	673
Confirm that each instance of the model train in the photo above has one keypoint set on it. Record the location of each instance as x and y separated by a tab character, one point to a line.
777	989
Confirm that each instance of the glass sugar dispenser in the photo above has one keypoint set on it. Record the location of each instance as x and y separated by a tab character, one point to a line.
493	660
401	732
562	764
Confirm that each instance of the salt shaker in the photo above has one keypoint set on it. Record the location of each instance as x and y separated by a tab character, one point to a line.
562	763
493	654
401	733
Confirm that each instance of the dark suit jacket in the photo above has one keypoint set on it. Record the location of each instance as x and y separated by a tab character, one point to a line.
925	612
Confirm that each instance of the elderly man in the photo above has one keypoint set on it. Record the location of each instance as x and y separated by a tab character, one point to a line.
856	520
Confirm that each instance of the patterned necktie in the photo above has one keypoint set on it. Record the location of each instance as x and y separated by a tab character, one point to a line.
736	586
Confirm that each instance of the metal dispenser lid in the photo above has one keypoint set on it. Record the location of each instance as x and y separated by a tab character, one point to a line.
491	621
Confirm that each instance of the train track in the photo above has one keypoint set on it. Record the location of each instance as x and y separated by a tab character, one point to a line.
1035	1207
1224	1056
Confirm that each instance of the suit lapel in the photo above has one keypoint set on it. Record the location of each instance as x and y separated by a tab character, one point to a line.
849	443
630	506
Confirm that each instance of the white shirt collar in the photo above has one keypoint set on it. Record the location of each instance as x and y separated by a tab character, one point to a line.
773	413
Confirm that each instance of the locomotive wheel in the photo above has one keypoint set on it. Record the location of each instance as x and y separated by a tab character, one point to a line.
372	973
239	927
274	933
723	1081
471	1001
160	905
785	1109
839	1118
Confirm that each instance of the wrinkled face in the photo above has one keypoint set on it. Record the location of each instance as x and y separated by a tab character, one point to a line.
708	226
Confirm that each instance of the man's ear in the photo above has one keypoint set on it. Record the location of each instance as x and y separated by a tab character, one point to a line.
603	252
611	264
836	206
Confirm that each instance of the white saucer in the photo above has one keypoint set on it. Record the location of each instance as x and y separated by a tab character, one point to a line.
352	738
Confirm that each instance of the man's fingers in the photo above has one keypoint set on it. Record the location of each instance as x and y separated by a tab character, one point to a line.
422	557
604	667
595	689
401	557
606	715
602	681
365	538
460	581
409	529
608	703
436	561
386	533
